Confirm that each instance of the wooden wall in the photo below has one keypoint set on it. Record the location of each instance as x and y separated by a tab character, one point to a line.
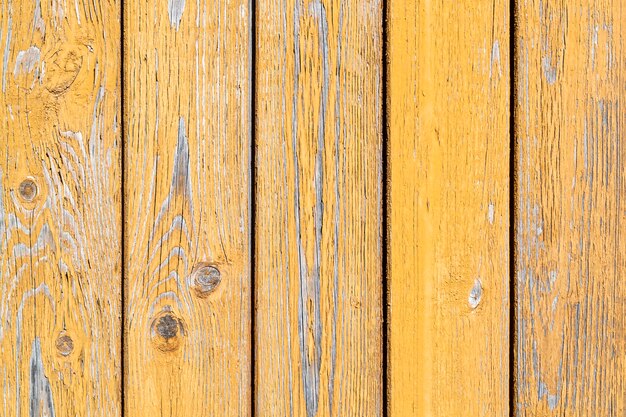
312	208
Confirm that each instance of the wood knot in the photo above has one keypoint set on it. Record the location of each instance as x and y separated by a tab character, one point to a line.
475	294
28	190
167	332
167	327
206	278
64	345
62	68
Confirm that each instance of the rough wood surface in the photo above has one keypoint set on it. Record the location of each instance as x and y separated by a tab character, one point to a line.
318	220
60	211
448	104
571	217
187	183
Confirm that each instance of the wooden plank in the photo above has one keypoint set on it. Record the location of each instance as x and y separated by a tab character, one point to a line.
60	209
187	183
570	213
318	218
448	86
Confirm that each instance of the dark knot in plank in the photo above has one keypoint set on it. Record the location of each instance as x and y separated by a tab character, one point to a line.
167	327
167	331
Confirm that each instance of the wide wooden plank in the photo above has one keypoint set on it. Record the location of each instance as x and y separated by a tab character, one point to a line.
448	105
187	193
570	149
318	253
60	209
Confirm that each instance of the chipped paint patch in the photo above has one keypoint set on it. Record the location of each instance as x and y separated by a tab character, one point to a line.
553	275
175	9
491	211
495	58
3	219
27	60
549	71
77	11
180	177
38	22
476	294
58	12
41	403
7	49
552	399
70	134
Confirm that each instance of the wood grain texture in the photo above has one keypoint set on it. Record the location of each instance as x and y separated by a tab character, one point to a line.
187	189
318	221
60	210
571	217
448	104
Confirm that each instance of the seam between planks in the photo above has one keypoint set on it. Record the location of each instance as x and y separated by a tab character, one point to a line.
252	24
123	213
385	209
512	188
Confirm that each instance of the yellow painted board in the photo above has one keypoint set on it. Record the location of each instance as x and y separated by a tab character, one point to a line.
187	216
449	146
60	209
318	227
570	127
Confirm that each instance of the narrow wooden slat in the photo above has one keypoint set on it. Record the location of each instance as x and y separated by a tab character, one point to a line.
449	148
187	183
318	219
60	210
571	217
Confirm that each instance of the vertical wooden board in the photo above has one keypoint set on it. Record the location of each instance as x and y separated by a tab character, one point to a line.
318	257
187	190
570	215
448	106
60	210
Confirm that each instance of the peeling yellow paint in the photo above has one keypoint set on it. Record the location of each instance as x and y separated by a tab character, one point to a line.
60	210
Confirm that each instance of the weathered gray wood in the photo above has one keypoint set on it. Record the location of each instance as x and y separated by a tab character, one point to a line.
318	226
